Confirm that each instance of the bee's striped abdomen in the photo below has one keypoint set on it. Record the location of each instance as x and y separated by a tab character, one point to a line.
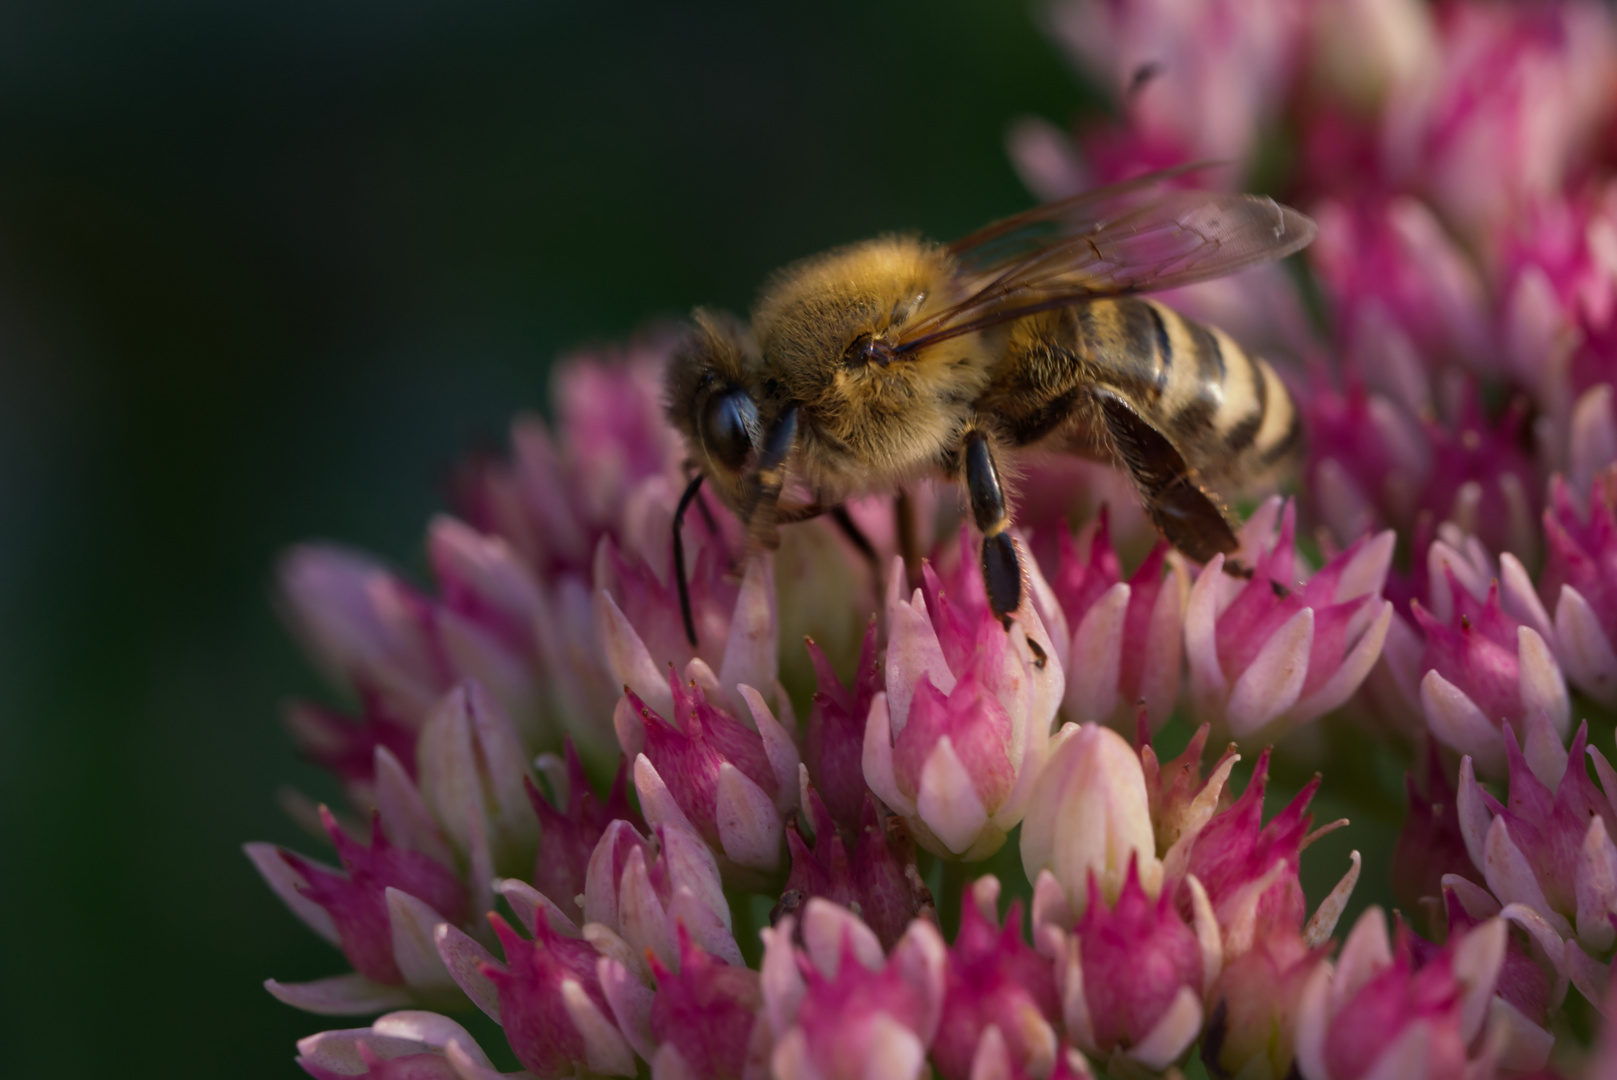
1227	412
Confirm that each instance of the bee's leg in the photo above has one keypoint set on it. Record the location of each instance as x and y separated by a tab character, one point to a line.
1188	515
867	551
680	581
691	471
856	537
909	541
1002	567
767	480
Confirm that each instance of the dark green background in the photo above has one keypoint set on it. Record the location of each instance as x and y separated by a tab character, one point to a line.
265	268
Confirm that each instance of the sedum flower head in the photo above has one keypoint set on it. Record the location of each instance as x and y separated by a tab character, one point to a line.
1450	343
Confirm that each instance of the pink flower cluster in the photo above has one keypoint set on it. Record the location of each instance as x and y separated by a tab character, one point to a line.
747	859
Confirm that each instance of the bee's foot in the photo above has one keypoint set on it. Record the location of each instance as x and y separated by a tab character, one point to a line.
1237	568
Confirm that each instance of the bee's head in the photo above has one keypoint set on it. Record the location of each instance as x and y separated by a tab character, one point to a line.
712	401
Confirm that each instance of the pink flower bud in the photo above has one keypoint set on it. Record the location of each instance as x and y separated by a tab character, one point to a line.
1250	870
1532	979
399	1046
1559	277
1379	1012
1485	671
954	744
1216	73
1090	818
1362	50
708	1016
641	894
358	904
1550	848
1250	1030
404	649
646	601
1481	478
1132	974
839	1010
346	746
642	630
570	829
709	773
834	741
551	1005
1127	636
561	490
1430	845
366	627
1181	802
1507	112
994	979
1369	459
474	777
880	881
1579	584
1392	271
1272	651
993	1061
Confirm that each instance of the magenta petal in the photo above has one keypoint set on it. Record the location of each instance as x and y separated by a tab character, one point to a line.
533	989
707	1012
977	726
1136	955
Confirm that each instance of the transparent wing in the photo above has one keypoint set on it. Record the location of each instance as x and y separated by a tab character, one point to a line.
1129	238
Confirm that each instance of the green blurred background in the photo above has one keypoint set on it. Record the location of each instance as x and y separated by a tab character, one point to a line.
266	268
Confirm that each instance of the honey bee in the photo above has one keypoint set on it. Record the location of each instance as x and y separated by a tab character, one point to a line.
870	366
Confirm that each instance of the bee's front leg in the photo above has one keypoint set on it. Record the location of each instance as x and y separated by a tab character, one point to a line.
1002	567
768	479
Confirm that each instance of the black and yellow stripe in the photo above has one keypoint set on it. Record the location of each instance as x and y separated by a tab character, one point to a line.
1227	411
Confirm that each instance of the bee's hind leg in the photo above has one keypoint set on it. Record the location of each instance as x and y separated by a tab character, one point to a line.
1002	566
1188	515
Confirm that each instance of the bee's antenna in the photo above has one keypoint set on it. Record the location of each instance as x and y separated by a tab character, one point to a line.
679	557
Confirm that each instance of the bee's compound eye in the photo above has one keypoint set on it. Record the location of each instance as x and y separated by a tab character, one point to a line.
729	428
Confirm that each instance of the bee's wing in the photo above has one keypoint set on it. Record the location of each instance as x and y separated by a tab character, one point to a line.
1129	238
